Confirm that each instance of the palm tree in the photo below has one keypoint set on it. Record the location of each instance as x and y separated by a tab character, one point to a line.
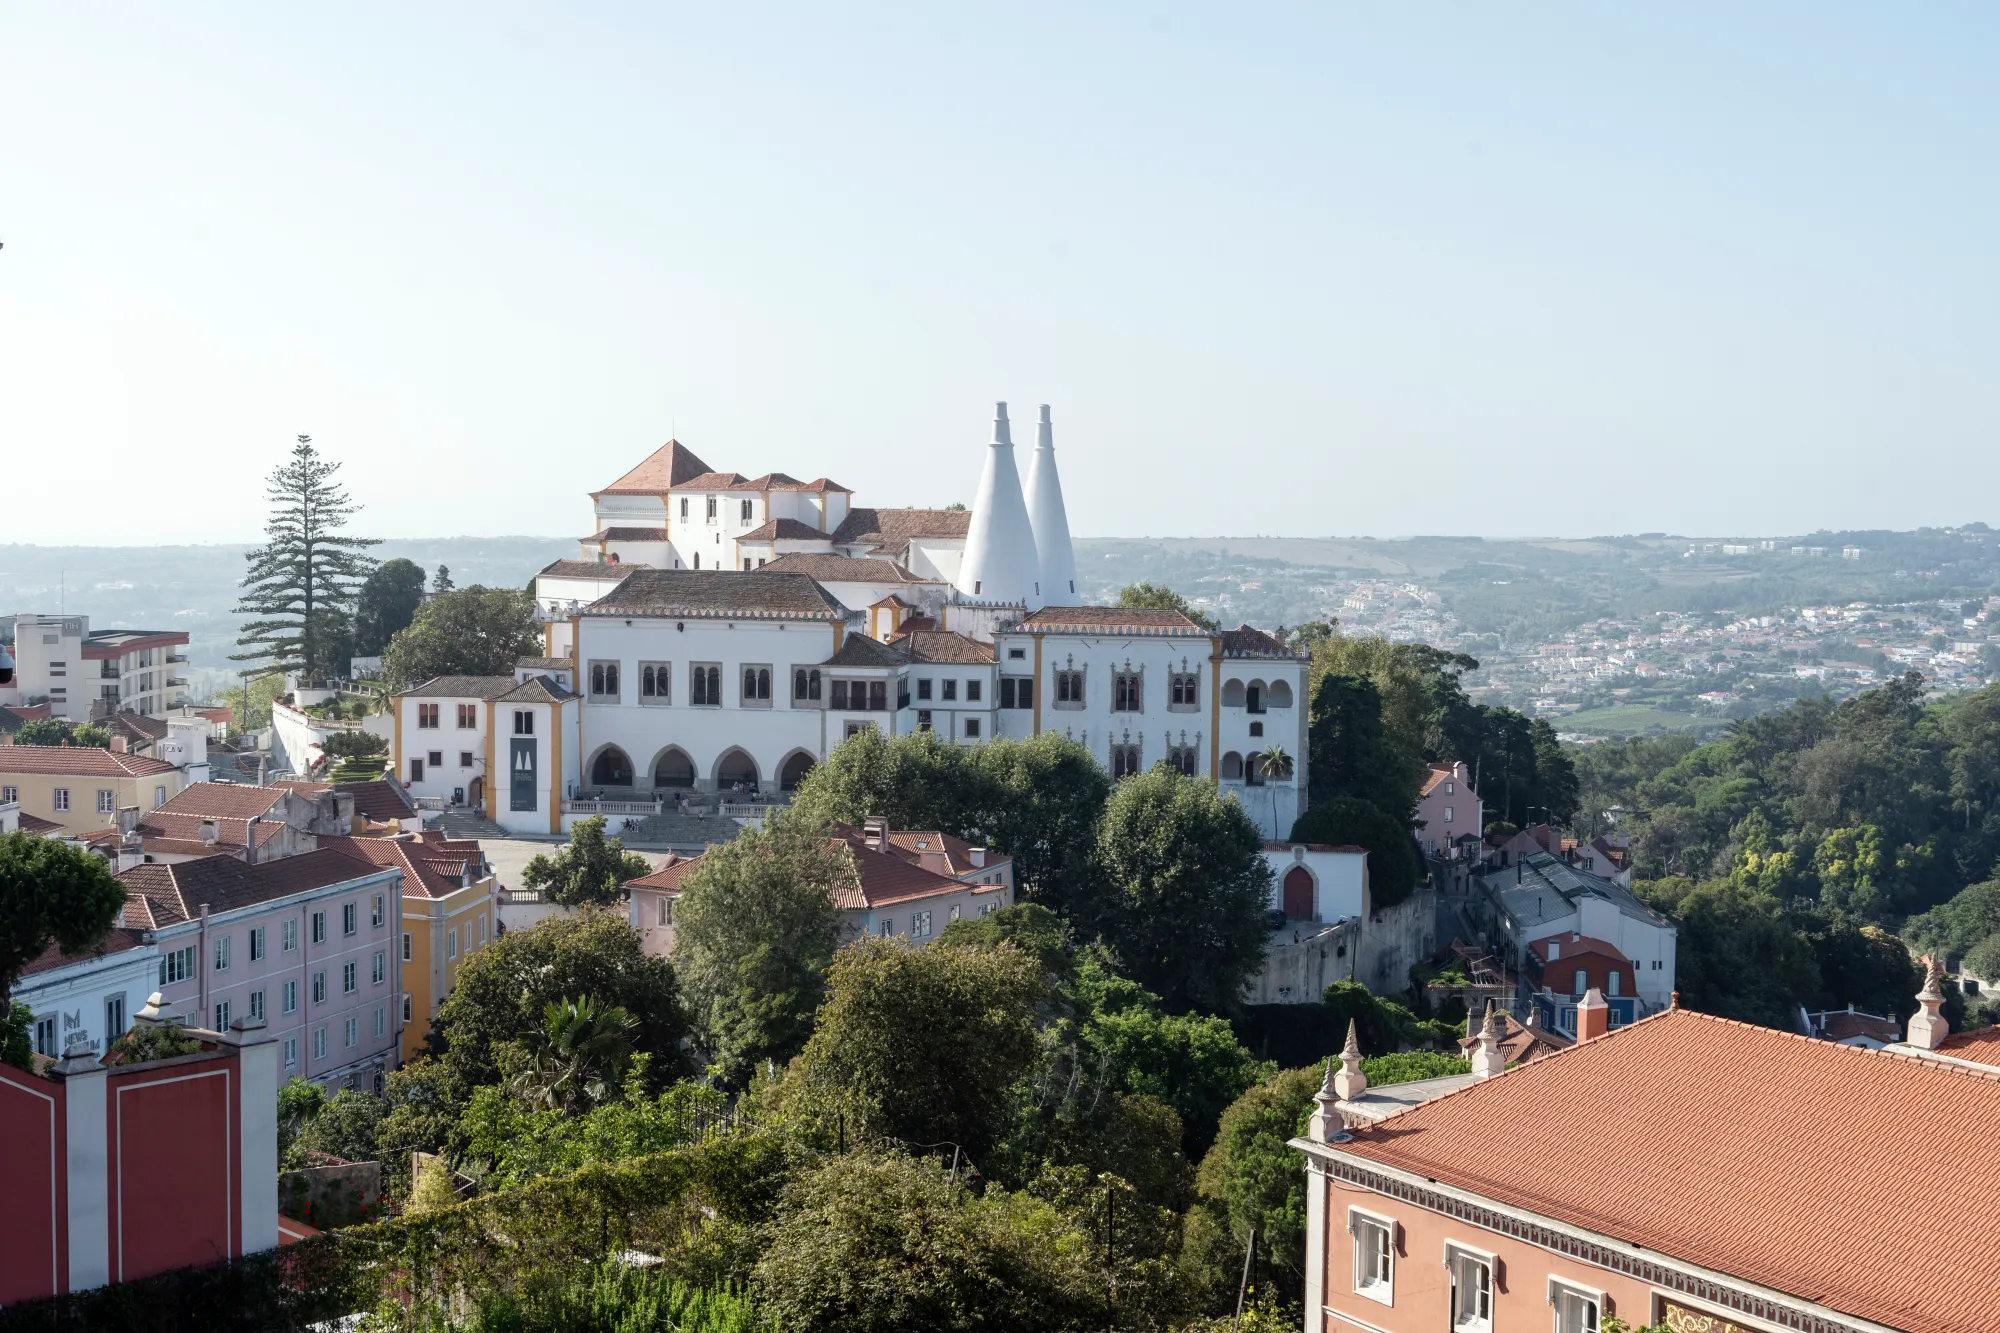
1274	762
580	1053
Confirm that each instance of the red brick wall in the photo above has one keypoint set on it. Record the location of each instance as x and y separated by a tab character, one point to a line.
33	1257
175	1155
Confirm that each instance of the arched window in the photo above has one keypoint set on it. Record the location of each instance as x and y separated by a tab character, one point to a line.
1232	767
1253	770
815	686
1280	695
799	683
1232	694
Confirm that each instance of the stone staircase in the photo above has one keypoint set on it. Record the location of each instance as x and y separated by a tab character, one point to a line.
466	823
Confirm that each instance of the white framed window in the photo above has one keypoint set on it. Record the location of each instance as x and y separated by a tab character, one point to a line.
319	1042
288	934
451	943
288	997
221	1016
1471	1273
107	801
257	937
756	687
406	1008
972	728
177	965
9	795
319	927
406	946
1578	1308
604	682
377	910
482	927
350	918
666	910
257	1005
350	978
886	927
920	925
291	1052
1374	1255
352	1031
1447	814
114	1017
706	681
62	798
379	971
381	1021
221	955
159	797
319	987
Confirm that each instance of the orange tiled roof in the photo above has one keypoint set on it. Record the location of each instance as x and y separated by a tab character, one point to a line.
893	529
784	529
83	761
672	464
668	876
911	844
428	870
1981	1045
1111	620
227	800
1577	946
1761	1154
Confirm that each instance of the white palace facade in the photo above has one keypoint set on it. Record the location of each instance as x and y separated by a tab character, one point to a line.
724	633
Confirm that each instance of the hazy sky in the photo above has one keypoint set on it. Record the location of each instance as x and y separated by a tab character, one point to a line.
1297	271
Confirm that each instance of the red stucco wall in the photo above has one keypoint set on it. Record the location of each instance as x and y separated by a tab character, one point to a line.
174	1153
33	1258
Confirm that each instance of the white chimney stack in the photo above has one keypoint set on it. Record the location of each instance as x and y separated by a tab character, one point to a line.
1000	563
1050	521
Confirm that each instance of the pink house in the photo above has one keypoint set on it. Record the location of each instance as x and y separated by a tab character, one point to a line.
1448	808
306	944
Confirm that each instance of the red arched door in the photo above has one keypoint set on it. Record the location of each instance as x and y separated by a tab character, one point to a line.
1299	893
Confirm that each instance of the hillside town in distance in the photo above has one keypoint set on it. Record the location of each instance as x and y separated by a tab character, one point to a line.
772	823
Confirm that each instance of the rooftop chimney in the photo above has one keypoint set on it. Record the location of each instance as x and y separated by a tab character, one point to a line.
208	832
977	855
1487	1059
1000	562
1593	1016
1046	516
875	832
1927	1026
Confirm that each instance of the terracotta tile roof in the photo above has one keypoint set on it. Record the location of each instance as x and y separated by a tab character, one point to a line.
111	644
29	712
1126	620
229	832
715	481
82	761
380	800
668	466
886	878
911	844
427	873
1243	641
784	529
858	650
1981	1045
536	690
1764	1155
893	529
136	726
459	687
1433	776
762	595
1519	1044
541	663
226	800
36	824
943	646
585	569
628	535
116	940
161	894
1577	946
830	568
668	876
179	846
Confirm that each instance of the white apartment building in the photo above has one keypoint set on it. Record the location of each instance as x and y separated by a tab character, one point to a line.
81	674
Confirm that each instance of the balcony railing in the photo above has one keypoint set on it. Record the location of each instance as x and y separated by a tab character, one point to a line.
177	659
612	805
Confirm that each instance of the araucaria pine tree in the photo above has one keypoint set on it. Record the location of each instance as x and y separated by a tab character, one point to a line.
301	584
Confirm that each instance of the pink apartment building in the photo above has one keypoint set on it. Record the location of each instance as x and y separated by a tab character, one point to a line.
306	944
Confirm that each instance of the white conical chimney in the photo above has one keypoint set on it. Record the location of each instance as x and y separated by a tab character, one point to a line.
1050	521
1000	563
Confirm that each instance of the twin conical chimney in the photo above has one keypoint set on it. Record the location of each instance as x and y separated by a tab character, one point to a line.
1000	562
1050	522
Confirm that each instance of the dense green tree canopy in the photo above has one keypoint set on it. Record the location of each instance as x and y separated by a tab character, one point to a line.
1159	597
475	631
1187	889
754	934
1394	866
593	868
388	601
51	893
61	731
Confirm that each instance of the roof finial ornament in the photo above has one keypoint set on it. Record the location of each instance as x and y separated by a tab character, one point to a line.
1487	1058
1928	1027
1349	1082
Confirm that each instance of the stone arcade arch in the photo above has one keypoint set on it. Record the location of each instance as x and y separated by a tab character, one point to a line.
793	771
735	766
610	767
673	769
